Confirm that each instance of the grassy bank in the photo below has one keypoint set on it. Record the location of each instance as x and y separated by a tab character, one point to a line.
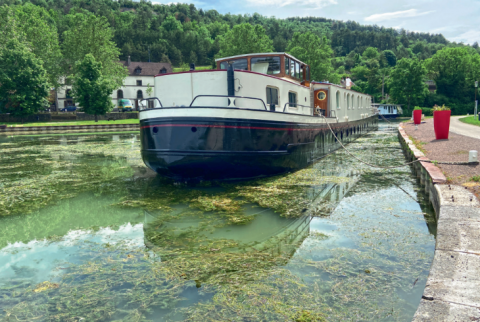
73	123
470	120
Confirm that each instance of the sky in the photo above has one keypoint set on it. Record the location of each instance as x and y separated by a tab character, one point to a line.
456	20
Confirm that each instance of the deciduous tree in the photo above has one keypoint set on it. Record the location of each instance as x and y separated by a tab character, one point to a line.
91	89
89	34
407	83
35	27
244	39
316	52
23	80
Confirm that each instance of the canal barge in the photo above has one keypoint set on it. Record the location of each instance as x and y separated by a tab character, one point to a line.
255	115
388	111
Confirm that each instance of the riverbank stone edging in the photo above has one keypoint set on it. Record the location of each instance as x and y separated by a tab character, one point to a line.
68	128
452	292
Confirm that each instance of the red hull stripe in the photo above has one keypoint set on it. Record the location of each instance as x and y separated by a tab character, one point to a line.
232	127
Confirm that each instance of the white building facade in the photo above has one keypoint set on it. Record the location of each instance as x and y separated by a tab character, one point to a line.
141	75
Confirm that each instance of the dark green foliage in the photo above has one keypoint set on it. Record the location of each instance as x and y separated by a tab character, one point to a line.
390	57
23	80
88	34
407	83
91	89
315	52
244	39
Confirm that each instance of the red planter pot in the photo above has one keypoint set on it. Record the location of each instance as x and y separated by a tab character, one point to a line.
417	116
441	124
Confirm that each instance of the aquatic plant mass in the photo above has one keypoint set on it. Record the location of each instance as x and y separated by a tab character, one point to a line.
87	233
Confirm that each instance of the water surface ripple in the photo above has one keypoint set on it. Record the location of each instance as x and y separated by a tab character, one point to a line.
88	233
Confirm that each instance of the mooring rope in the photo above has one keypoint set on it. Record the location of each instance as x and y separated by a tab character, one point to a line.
364	162
393	167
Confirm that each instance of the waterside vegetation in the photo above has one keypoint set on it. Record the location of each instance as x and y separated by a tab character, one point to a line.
379	60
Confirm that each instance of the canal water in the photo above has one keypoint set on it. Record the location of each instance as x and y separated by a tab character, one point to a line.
88	233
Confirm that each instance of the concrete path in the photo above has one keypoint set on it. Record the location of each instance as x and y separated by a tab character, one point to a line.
456	126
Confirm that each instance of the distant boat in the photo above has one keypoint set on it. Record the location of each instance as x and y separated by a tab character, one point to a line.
388	110
255	115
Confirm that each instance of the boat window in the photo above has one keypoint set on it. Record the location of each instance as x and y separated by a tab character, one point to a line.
348	101
272	96
265	65
297	70
287	65
241	64
292	99
308	73
292	68
338	99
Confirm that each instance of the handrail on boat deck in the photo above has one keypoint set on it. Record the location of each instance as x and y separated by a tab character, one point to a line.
148	99
233	97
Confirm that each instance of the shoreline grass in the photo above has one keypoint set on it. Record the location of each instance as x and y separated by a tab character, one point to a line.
73	123
470	120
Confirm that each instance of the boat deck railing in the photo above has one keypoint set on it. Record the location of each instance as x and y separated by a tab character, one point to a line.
228	102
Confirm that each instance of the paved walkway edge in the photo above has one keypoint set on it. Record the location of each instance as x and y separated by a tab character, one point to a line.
69	128
452	292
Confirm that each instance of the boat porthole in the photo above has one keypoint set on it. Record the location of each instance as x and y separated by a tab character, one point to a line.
194	129
155	129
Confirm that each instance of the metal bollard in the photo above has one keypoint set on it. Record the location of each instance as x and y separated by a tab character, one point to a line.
473	157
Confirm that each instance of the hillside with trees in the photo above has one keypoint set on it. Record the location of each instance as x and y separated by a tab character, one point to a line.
182	34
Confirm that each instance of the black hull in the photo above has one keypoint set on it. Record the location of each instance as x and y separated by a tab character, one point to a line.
218	149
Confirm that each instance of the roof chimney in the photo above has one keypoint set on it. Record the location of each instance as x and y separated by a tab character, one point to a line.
128	61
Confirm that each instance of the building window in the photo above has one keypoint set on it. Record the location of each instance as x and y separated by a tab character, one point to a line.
119	93
163	70
138	70
337	98
139	94
68	94
265	65
241	64
272	96
292	99
139	83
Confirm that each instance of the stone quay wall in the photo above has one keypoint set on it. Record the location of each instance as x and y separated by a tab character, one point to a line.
68	129
452	292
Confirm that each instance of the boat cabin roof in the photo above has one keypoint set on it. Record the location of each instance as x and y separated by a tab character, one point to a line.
280	65
259	54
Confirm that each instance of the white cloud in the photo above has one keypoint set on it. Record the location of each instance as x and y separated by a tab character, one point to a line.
315	4
468	37
395	15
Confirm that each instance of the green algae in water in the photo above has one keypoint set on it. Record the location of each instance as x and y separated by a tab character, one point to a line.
312	275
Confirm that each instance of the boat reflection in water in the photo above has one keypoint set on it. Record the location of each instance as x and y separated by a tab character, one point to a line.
210	247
